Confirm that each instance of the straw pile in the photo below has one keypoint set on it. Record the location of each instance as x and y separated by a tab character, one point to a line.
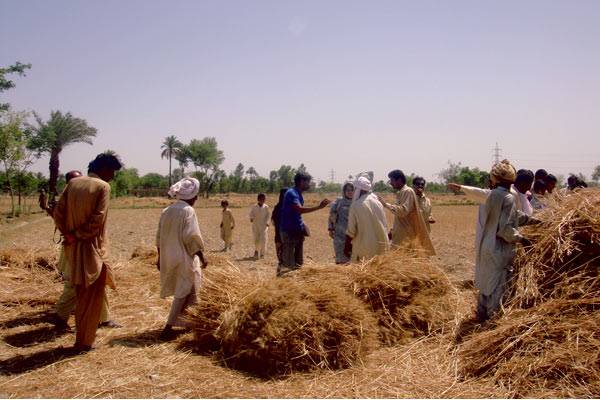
286	326
564	260
30	258
144	255
410	297
548	338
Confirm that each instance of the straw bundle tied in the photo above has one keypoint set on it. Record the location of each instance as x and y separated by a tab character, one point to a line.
320	316
548	338
284	326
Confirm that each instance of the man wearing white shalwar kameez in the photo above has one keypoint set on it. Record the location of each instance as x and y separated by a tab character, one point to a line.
260	216
367	224
180	247
495	248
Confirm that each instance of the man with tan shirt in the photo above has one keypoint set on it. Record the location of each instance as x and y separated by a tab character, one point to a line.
80	216
409	229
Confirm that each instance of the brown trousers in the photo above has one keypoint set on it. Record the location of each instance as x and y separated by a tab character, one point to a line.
88	309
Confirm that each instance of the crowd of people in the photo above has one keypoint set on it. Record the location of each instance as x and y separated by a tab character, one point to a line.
357	225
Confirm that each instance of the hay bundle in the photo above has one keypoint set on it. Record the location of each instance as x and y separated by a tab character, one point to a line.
285	326
410	297
555	346
222	287
549	336
144	255
29	258
564	259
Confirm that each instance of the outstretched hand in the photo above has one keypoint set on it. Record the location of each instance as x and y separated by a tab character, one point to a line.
455	187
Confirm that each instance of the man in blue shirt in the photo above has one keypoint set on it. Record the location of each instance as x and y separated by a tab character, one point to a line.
292	228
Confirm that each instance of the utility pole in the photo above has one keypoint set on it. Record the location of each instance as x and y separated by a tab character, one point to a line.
496	153
332	176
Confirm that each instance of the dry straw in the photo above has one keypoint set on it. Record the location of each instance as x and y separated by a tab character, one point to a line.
548	340
321	316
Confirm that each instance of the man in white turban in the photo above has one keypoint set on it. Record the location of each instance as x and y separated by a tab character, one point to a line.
180	245
366	235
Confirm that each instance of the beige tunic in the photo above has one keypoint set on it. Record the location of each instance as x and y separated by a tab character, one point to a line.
179	239
227	225
409	226
82	211
367	226
260	216
425	208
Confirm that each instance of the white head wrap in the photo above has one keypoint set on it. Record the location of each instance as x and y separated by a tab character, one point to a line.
185	189
360	184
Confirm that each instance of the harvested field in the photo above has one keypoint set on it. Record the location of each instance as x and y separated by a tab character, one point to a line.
131	362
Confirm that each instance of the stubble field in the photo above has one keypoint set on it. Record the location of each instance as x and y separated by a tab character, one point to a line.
131	362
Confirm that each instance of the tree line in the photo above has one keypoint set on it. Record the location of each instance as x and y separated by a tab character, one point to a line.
24	137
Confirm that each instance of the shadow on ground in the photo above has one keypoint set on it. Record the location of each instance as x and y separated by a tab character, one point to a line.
29	319
31	338
143	339
20	364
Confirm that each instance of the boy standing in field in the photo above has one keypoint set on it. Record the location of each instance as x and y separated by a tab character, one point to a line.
423	201
227	225
259	217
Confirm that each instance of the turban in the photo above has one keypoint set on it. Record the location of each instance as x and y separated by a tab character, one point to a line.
361	184
185	189
504	171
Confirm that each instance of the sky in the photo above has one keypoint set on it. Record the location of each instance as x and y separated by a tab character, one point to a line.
342	86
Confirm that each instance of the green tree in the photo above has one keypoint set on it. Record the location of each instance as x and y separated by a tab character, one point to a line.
15	156
206	158
124	181
153	180
183	158
285	174
170	148
457	173
5	84
52	136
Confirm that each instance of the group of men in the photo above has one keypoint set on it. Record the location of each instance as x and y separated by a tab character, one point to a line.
513	199
357	224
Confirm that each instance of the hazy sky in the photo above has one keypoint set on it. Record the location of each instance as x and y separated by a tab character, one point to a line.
343	85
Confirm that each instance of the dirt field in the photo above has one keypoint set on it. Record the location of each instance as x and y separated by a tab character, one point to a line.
130	362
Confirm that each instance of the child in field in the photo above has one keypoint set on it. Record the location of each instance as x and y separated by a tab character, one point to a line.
259	217
227	225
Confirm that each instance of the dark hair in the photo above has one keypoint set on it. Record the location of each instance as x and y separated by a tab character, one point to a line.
72	174
419	179
282	193
300	177
397	174
346	185
105	161
540	174
524	176
551	178
261	196
224	203
539	185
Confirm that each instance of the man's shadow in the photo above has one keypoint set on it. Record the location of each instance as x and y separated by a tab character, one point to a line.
143	339
20	364
34	337
29	319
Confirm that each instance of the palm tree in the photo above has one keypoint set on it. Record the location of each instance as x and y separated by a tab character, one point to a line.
171	148
183	158
54	135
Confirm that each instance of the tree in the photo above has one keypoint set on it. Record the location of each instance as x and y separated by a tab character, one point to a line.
5	84
124	181
171	146
14	154
206	157
52	136
183	158
457	173
286	175
252	174
596	174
